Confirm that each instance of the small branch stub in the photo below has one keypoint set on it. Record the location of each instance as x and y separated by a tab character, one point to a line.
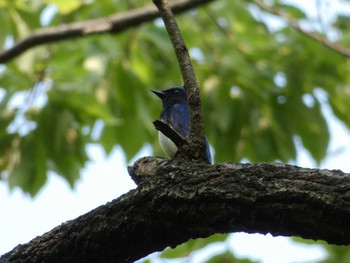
169	132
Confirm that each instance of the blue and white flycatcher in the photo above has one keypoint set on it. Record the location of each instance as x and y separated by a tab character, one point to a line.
176	114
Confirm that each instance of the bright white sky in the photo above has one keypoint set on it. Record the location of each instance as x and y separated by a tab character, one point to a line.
106	178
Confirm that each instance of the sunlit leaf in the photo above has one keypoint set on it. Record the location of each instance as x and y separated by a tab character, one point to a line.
82	104
292	11
228	257
65	6
335	253
194	244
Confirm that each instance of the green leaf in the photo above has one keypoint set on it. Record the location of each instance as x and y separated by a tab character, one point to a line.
65	6
336	254
311	126
190	246
64	142
82	104
227	257
292	11
342	22
339	101
128	91
29	164
6	25
6	148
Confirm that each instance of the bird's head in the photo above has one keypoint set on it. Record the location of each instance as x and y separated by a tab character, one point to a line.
172	96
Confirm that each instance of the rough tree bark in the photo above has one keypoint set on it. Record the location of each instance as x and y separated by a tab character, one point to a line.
176	201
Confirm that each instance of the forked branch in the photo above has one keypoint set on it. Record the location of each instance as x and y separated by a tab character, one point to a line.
195	149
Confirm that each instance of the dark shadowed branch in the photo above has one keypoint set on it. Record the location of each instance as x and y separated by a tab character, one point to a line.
113	24
173	195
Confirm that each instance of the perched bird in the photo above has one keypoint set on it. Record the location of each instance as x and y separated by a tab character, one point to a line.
175	113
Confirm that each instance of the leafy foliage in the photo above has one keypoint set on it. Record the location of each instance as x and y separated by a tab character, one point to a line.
260	80
227	257
186	250
254	77
337	254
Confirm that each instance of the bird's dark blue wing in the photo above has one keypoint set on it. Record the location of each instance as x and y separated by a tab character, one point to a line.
179	119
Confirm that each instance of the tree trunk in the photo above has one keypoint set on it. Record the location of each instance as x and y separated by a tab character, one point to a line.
176	201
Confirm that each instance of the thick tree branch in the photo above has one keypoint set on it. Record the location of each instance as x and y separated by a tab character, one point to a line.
177	200
113	24
195	149
315	36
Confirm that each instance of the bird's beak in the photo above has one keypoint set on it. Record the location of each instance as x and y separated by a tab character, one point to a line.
159	93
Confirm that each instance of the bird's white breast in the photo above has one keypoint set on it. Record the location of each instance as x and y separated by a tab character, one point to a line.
167	145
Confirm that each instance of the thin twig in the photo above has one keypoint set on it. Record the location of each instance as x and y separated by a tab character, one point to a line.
113	24
313	35
196	139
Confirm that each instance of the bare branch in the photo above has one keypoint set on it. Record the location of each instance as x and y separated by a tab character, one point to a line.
178	200
313	35
195	149
113	24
